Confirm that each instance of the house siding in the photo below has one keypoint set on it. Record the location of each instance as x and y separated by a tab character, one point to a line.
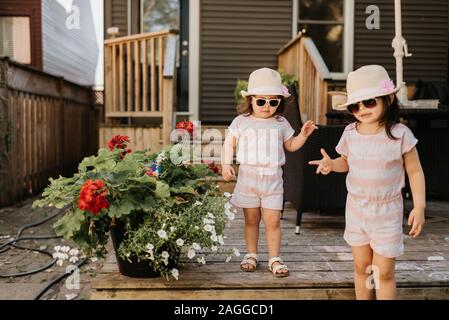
425	26
237	37
71	53
116	15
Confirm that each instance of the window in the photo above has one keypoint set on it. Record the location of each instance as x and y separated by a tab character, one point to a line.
330	24
15	38
157	15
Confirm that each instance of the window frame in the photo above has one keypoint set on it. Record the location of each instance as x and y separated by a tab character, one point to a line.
348	36
30	33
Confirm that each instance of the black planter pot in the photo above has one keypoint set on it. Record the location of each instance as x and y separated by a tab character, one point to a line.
135	268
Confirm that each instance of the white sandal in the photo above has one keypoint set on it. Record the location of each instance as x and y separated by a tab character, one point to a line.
276	268
251	259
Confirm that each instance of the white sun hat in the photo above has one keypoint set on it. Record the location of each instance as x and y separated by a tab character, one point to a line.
266	82
367	82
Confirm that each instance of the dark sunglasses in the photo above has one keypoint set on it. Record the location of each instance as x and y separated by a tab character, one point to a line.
272	102
369	103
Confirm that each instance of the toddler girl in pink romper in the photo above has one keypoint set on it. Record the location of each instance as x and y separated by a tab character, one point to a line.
260	135
376	151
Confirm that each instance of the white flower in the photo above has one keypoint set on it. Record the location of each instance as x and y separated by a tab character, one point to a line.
57	248
227	194
172	229
227	206
57	255
180	242
73	259
64	256
201	260
220	240
196	227
228	259
175	273
231	216
65	249
214	248
165	254
236	252
208	221
210	215
196	246
208	227
149	247
197	203
162	234
151	256
94	259
74	252
165	261
60	263
191	253
214	238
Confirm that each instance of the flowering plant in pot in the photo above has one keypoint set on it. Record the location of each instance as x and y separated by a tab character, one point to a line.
160	209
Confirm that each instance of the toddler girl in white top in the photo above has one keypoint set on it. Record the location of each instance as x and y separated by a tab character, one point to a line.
261	135
374	151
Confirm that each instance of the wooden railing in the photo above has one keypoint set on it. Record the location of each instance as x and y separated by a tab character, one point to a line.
301	58
47	126
140	79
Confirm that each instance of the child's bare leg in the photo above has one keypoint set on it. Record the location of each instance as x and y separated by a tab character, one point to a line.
386	289
252	221
363	258
271	219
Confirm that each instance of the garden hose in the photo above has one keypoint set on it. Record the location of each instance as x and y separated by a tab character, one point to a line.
48	286
12	243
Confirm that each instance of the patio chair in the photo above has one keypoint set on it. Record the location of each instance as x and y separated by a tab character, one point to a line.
306	190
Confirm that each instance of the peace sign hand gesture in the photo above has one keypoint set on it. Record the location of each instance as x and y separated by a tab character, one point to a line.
324	165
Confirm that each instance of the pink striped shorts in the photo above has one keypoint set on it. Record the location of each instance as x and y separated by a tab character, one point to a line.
259	187
377	223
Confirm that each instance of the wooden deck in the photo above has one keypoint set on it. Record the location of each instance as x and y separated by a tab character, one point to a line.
320	263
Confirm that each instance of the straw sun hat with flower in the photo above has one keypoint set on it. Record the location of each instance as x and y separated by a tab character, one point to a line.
267	82
367	82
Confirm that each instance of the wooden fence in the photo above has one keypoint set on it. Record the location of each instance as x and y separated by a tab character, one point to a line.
300	57
47	126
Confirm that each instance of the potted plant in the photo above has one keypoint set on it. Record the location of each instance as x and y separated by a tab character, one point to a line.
160	209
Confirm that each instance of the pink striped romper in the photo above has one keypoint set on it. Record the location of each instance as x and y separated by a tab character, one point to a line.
374	206
260	153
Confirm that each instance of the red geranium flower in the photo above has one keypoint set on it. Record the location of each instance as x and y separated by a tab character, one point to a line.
212	166
186	125
120	142
93	196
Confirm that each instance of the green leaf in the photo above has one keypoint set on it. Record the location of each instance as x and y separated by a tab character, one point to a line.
183	189
69	224
144	179
162	190
114	211
127	205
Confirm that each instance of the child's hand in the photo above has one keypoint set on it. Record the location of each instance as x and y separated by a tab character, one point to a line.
324	165
227	172
416	220
307	129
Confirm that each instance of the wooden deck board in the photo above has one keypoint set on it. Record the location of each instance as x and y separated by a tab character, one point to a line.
320	265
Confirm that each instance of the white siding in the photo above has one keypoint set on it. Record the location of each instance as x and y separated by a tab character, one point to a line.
71	53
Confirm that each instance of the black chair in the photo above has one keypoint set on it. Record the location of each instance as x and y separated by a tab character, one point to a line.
306	190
